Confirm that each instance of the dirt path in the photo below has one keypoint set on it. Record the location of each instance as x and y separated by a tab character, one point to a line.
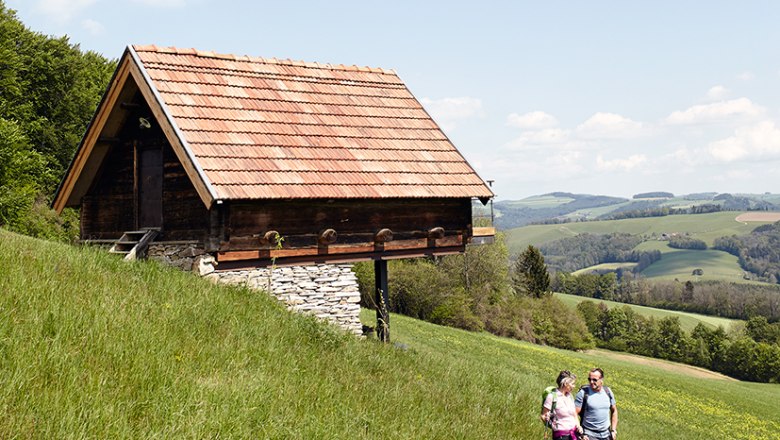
758	217
662	364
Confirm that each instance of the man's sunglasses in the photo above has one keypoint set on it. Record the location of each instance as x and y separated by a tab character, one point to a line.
593	380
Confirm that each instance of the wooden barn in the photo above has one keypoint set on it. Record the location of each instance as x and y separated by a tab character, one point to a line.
263	160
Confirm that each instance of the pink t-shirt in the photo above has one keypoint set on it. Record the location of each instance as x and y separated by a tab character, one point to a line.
565	412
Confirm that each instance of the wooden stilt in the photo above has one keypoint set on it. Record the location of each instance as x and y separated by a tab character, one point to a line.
382	301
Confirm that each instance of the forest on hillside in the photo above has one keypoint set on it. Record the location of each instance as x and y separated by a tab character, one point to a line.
49	90
758	252
585	250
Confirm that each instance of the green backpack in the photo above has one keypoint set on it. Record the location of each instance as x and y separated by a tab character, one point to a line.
547	391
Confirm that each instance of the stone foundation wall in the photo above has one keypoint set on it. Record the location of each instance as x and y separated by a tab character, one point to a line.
179	254
328	292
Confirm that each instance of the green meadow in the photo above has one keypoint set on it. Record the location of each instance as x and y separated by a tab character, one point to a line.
680	263
687	320
706	227
93	347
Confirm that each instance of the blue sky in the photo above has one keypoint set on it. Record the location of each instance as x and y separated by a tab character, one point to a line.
602	97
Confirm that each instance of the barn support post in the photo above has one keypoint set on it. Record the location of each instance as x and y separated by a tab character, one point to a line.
382	300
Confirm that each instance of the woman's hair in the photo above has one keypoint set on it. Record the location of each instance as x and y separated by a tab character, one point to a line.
565	374
571	380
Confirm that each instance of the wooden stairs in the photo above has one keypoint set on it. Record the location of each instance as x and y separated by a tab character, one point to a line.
133	244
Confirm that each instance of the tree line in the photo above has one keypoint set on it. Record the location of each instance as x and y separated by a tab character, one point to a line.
758	252
585	250
714	298
49	90
749	353
478	292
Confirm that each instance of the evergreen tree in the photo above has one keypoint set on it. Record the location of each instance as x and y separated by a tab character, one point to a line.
531	276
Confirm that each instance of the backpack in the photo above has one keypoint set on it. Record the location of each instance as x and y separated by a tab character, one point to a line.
584	390
547	391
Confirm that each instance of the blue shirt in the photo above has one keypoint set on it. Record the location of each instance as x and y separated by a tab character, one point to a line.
597	414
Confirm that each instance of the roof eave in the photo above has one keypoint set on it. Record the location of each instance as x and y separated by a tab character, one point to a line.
176	138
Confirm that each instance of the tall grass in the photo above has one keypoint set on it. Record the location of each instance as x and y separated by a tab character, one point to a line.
92	347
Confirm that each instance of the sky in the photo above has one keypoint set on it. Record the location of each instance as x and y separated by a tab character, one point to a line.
592	97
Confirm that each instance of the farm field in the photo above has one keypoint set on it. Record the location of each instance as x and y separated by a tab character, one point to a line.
93	347
544	201
687	320
605	267
706	227
680	263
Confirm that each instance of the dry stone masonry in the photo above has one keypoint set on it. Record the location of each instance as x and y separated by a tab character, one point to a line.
326	291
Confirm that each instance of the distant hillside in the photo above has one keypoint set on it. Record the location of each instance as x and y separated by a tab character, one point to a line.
514	213
562	207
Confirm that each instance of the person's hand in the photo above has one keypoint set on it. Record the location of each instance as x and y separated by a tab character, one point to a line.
545	417
613	434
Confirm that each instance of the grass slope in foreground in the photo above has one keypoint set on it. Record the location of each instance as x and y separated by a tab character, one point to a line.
94	347
687	320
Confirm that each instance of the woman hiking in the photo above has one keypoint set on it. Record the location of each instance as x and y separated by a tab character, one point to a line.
558	410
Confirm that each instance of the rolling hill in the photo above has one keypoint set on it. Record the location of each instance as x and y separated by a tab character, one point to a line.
675	263
94	347
565	207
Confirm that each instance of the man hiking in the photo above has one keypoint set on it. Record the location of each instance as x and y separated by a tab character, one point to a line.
596	406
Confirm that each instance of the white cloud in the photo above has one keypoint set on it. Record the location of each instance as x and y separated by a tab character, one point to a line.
448	111
63	10
716	112
92	26
541	138
162	3
541	167
620	164
610	126
758	141
717	93
533	120
746	76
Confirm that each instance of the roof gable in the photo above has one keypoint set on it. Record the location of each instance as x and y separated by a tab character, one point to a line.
255	128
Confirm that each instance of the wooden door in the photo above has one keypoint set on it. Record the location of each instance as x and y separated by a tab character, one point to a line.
150	181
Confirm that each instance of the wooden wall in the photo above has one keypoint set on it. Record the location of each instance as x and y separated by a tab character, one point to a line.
185	217
107	210
355	221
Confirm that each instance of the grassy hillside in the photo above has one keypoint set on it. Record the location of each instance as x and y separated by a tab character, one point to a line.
680	263
94	347
687	320
675	263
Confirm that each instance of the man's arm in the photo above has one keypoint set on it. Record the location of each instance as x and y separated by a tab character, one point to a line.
614	420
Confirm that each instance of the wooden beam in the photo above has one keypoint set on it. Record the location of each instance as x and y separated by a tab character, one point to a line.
327	237
398	245
484	231
382	301
383	236
250	263
93	133
271	237
436	233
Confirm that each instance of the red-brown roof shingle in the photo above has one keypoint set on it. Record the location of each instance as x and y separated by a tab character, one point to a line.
267	128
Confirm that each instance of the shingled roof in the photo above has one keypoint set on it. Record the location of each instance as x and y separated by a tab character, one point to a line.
259	128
